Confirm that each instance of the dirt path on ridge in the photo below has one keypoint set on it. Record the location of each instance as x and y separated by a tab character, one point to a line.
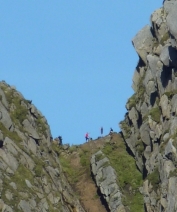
86	187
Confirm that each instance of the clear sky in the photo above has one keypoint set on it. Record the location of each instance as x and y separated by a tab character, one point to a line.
73	58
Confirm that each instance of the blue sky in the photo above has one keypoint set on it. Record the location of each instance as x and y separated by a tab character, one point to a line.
74	59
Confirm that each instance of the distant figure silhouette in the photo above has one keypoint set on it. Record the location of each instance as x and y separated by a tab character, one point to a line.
101	131
86	136
60	140
111	130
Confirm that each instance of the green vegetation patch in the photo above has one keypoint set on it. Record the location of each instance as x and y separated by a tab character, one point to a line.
99	157
165	37
140	91
139	95
12	135
127	174
132	101
51	208
173	173
39	165
170	94
8	93
19	177
20	112
163	145
18	115
126	128
85	159
73	148
41	126
155	114
140	147
71	173
154	178
155	44
56	148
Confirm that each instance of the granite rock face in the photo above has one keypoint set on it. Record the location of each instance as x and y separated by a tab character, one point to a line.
105	177
150	125
31	178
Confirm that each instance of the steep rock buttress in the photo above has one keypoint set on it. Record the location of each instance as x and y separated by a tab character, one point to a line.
31	178
150	125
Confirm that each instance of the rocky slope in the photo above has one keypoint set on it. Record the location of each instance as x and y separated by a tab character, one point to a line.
103	174
38	174
150	125
31	178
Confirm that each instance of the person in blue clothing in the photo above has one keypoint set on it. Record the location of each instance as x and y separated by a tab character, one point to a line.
111	130
101	131
60	140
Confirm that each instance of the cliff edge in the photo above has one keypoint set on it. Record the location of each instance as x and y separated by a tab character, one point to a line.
31	178
150	125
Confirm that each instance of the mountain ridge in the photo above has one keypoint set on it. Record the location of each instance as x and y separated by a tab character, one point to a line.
130	171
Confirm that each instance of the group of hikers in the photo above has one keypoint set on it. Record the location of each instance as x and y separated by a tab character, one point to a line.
87	137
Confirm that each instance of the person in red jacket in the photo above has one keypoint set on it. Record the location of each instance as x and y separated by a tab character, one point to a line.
86	136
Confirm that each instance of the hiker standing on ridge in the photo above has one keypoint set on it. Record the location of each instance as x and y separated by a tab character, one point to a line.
86	136
60	140
101	131
111	130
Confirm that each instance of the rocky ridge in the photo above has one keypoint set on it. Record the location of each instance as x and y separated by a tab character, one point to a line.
150	125
103	174
35	174
31	178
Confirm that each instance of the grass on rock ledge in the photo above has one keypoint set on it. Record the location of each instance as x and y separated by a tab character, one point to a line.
128	177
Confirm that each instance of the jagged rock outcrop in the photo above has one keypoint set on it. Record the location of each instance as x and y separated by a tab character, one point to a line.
31	178
106	180
150	125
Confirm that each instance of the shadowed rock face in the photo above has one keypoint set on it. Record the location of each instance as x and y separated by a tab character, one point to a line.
31	178
153	141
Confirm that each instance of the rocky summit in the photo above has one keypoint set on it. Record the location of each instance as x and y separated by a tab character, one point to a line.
131	171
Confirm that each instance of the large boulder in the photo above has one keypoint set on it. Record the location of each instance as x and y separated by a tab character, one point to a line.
30	129
134	116
136	78
145	136
174	104
5	118
159	23
105	177
168	5
171	18
165	106
143	43
169	56
153	64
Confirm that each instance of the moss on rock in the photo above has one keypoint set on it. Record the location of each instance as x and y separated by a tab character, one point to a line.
155	114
